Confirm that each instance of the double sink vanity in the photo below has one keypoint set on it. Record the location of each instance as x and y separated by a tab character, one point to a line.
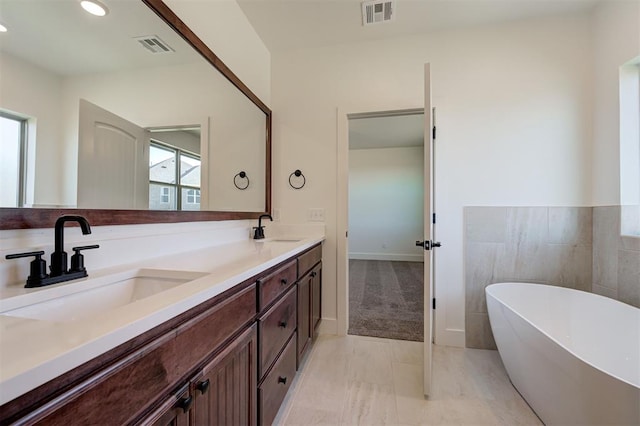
213	336
209	336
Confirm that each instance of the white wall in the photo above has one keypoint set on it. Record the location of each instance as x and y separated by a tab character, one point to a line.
386	203
37	93
616	41
514	107
223	26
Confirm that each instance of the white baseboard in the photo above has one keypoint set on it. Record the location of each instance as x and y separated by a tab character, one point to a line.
328	326
451	337
398	257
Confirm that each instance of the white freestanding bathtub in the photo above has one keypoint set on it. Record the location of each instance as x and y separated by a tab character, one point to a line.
573	356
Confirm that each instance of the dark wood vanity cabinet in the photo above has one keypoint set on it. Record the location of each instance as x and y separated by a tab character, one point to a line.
316	299
277	325
142	383
309	298
229	361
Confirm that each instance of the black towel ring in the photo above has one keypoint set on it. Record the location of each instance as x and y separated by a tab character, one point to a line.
297	173
241	175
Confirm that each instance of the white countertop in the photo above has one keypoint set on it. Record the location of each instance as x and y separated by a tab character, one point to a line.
32	352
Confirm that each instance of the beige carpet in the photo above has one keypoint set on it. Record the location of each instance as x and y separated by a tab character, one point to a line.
386	299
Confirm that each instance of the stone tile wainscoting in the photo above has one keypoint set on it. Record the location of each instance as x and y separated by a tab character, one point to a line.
548	245
575	247
616	259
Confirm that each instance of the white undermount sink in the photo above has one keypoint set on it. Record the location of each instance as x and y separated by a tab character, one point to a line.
280	240
79	300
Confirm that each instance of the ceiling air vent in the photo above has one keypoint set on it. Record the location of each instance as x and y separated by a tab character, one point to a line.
154	44
374	12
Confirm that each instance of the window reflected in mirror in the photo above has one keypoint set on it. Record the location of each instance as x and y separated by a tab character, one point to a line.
173	169
12	149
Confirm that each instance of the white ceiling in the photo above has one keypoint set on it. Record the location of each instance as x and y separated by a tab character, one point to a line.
290	24
386	132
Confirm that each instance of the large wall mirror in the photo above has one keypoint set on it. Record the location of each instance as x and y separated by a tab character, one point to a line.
125	118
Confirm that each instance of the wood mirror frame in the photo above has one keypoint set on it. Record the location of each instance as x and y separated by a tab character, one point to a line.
26	218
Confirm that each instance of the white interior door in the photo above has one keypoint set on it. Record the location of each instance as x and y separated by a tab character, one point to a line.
113	161
428	230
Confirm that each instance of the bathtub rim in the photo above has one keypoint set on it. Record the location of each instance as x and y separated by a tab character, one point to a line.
554	340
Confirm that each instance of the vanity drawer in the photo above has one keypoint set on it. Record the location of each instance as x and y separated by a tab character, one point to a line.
274	328
274	284
274	388
308	259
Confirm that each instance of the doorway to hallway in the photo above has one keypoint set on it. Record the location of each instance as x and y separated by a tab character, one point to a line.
386	213
386	299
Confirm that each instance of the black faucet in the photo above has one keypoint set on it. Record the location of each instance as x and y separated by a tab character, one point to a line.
259	230
59	256
38	276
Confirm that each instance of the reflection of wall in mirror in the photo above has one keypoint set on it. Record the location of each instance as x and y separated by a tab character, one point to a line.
180	94
233	137
169	95
34	92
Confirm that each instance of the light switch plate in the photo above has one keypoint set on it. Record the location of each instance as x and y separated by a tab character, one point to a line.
316	215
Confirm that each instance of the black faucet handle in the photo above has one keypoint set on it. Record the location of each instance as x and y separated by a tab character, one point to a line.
80	248
37	254
37	269
77	260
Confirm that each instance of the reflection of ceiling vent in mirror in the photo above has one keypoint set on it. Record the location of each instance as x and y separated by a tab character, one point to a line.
377	11
154	44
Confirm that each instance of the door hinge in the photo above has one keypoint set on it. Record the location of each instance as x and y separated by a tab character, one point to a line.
434	303
433	118
434	218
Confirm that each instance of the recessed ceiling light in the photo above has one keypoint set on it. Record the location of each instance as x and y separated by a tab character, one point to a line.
3	29
94	7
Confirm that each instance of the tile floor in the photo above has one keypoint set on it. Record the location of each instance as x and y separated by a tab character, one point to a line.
371	381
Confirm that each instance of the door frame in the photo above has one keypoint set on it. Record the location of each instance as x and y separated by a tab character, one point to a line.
343	114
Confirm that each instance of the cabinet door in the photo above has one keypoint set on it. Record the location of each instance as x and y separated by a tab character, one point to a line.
304	311
316	298
174	411
225	392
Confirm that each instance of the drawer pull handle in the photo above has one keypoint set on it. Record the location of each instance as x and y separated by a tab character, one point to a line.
283	281
203	386
185	403
282	324
282	380
313	274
